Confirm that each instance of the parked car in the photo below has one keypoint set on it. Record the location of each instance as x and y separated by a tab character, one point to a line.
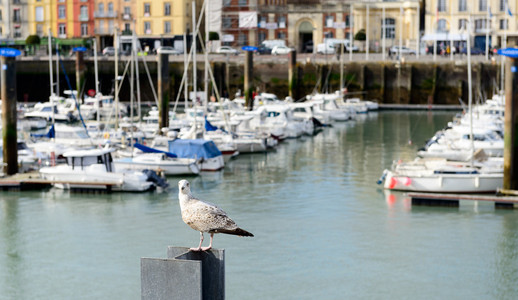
281	50
325	48
227	50
109	51
394	50
168	50
263	50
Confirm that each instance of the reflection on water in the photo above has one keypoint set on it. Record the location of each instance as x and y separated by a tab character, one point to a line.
318	217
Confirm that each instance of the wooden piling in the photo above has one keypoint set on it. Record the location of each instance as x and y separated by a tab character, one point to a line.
249	75
293	75
511	125
9	134
80	74
163	90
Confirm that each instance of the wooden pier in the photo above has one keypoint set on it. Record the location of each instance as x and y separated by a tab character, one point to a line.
33	181
452	200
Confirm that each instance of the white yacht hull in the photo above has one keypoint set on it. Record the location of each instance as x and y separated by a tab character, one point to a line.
445	183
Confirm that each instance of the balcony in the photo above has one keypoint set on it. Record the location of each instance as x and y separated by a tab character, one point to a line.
83	18
126	16
105	14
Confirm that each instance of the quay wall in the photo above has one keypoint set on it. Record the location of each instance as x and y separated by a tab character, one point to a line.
384	81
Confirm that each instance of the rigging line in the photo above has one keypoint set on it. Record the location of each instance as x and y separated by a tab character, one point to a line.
75	99
188	61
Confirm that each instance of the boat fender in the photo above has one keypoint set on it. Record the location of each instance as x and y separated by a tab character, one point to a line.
106	135
407	181
392	183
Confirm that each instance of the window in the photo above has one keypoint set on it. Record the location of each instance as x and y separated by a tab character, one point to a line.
329	21
101	27
282	21
39	14
242	2
481	25
101	8
147	9
147	27
110	26
110	7
262	22
227	22
84	29
1	15
39	29
502	5
462	5
226	2
167	9
463	24
441	25
241	39
261	36
281	35
167	27
347	21
83	11
390	28
17	15
127	27
503	24
482	5
62	29
61	12
441	5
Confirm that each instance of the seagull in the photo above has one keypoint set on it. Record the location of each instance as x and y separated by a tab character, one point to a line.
205	217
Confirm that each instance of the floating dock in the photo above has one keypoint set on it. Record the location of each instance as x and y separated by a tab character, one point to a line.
33	181
452	200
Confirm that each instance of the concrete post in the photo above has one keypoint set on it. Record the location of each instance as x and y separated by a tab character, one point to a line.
511	125
184	274
249	74
80	74
293	76
9	134
163	90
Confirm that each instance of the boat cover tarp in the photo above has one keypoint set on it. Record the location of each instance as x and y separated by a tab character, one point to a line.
197	148
51	134
210	127
147	149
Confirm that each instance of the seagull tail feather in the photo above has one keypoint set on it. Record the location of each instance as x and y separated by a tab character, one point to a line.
237	231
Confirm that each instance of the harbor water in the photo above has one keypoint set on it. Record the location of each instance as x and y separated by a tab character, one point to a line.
323	228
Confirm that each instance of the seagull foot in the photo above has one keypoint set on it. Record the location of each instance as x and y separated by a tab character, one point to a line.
206	248
197	249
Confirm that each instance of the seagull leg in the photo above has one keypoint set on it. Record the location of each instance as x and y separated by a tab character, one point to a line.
199	246
210	244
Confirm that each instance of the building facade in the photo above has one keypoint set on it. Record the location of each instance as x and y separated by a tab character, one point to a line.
447	21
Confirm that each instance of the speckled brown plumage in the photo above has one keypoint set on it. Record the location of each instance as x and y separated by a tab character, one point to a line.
204	216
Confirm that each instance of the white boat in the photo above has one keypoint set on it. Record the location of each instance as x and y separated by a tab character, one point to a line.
327	108
354	104
441	176
204	151
64	110
159	162
94	169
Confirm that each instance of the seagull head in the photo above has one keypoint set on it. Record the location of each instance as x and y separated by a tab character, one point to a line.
184	187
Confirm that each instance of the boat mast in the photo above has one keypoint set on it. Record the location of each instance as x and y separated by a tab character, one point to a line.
57	70
96	82
139	113
185	71
132	91
194	67
51	76
470	93
116	47
206	79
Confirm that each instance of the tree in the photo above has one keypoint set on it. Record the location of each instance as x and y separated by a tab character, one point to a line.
360	35
213	36
31	42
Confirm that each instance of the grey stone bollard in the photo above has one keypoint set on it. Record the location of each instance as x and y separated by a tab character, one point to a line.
184	274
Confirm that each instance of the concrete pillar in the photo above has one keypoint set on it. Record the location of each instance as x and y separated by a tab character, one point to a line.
511	125
80	74
184	274
249	75
383	82
164	84
293	75
9	134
